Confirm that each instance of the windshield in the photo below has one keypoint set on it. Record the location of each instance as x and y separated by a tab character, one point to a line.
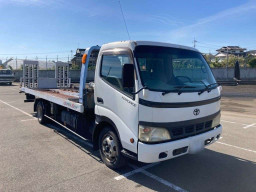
5	72
166	69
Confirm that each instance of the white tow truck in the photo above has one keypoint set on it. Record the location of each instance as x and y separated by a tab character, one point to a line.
149	101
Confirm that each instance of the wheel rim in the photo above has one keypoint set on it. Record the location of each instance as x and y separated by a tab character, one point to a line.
39	112
109	148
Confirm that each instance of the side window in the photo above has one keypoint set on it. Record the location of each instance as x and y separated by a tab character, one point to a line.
111	70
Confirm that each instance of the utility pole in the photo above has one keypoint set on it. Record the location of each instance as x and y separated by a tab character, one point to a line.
227	63
245	60
16	63
46	63
57	58
195	41
68	59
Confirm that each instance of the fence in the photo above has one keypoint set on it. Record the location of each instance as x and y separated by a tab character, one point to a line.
74	74
221	74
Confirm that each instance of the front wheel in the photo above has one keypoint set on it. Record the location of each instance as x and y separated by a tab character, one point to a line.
110	149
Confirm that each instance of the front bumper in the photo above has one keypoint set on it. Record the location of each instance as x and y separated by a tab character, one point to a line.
6	80
149	153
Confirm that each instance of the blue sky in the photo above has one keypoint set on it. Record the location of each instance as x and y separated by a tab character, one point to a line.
30	28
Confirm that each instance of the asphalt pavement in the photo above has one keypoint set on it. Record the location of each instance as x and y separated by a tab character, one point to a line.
35	157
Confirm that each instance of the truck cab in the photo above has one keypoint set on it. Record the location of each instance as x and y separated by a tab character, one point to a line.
162	99
6	76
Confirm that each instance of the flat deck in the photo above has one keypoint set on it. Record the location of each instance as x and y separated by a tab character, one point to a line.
65	98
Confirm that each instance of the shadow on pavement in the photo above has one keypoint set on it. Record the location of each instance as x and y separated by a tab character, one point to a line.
7	85
83	145
206	171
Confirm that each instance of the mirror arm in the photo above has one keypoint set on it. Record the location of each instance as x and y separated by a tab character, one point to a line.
134	93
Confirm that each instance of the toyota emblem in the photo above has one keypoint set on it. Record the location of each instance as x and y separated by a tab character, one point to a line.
196	112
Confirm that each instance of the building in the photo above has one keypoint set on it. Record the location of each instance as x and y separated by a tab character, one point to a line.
252	52
77	60
230	50
233	50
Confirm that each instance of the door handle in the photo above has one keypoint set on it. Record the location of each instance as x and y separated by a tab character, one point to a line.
100	100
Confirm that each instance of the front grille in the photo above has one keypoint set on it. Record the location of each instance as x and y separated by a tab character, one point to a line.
177	131
190	130
6	77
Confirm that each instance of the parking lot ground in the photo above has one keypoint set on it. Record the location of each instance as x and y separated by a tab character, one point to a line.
34	157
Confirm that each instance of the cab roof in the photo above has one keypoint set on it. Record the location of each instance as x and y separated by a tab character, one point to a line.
132	44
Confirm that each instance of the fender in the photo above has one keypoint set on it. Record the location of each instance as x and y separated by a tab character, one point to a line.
46	105
100	122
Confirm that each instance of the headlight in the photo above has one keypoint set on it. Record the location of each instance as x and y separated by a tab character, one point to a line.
216	121
153	134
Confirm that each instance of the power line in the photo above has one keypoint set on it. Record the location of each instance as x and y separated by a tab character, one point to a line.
124	20
213	45
35	53
206	47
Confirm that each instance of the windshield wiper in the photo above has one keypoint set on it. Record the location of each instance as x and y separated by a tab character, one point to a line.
207	88
177	89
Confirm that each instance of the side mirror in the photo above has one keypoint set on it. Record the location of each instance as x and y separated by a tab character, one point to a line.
128	75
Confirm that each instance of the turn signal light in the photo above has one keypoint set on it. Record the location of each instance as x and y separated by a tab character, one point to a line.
84	58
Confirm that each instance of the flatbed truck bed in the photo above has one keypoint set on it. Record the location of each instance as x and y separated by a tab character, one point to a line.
61	97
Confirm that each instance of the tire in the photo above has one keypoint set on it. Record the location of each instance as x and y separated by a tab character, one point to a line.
10	83
40	109
110	149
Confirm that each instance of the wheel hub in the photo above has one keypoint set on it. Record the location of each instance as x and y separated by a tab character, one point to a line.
39	112
109	148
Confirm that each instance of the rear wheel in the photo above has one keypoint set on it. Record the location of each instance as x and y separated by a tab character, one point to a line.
40	109
110	149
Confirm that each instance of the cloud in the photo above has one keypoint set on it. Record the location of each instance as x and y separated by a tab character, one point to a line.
184	31
166	20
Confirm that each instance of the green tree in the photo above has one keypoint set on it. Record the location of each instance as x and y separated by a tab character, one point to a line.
252	62
216	64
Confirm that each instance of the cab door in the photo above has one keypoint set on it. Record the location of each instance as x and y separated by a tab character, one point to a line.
113	101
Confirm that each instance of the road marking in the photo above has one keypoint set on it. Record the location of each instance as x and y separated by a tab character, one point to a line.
228	121
247	126
137	170
89	144
11	102
17	109
28	120
251	125
249	150
160	180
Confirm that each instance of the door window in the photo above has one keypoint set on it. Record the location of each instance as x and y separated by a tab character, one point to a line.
111	70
